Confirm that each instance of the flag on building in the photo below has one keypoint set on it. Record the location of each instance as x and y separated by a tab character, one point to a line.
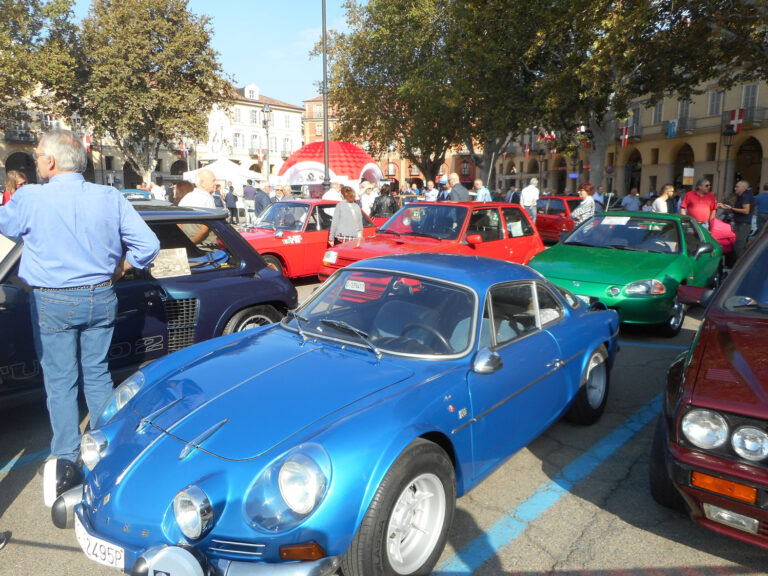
527	150
672	129
183	149
624	136
87	142
553	152
737	119
261	155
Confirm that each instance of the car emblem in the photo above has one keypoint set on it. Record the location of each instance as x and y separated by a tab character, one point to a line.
576	283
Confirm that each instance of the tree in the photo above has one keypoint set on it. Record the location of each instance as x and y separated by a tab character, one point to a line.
35	55
388	77
151	76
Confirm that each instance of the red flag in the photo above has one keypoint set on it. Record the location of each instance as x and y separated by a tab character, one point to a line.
183	149
261	154
624	136
527	150
87	142
553	152
737	119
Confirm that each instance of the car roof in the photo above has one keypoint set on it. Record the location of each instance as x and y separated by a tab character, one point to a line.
476	272
152	212
468	204
640	214
311	201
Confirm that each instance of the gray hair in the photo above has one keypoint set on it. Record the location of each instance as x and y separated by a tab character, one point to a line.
66	148
743	183
534	181
701	181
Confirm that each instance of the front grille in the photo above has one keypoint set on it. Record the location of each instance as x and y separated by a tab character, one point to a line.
182	320
236	549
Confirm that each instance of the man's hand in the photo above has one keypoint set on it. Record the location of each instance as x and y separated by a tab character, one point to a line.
121	269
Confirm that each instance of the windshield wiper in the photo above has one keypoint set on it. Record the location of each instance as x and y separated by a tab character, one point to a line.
343	326
423	235
296	317
389	232
575	243
621	247
746	302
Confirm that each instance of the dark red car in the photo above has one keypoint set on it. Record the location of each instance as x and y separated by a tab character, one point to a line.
553	216
710	450
490	229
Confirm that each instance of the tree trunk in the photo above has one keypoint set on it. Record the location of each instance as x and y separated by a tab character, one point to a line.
603	136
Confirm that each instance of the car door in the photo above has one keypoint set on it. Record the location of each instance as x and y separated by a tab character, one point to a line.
486	223
545	221
514	404
522	241
315	242
698	271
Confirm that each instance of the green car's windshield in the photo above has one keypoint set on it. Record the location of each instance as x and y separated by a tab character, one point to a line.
634	233
441	221
748	294
287	216
389	312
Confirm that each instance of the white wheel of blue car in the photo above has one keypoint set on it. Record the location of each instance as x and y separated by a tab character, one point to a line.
406	526
592	396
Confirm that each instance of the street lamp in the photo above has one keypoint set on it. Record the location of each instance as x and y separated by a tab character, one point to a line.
326	175
266	120
541	153
728	135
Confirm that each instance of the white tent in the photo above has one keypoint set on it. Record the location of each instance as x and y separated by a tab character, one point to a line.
225	170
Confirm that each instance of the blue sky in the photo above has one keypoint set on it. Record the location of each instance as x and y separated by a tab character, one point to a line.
267	42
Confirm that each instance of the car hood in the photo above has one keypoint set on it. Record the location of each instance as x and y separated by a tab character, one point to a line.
600	265
733	376
257	392
387	244
266	235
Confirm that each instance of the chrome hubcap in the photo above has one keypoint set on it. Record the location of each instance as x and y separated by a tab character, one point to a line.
415	524
253	322
597	379
676	316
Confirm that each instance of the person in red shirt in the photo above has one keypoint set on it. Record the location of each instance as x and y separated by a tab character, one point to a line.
700	204
13	181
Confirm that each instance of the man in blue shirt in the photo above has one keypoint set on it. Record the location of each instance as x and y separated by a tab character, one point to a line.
78	239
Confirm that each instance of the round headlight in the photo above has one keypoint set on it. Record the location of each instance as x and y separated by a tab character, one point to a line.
705	429
299	486
92	447
750	443
193	512
120	397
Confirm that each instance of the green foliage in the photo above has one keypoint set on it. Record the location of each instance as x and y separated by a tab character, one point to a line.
151	76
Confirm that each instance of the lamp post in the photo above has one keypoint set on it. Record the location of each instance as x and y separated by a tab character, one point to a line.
266	120
541	153
728	135
326	176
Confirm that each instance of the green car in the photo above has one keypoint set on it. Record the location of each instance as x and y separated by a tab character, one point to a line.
633	262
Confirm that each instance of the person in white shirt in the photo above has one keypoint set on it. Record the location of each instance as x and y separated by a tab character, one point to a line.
430	194
529	196
660	204
482	194
158	192
367	197
201	196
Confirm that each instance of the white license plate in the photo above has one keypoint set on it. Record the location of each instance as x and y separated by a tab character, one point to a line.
99	550
584	299
355	286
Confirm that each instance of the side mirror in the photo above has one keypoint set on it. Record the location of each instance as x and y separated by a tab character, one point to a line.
474	239
11	296
705	248
487	362
561	215
694	295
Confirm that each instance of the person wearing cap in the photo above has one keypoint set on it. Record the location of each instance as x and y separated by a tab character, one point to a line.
445	191
367	197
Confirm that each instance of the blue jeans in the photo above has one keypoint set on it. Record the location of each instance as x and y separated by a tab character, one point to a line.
73	332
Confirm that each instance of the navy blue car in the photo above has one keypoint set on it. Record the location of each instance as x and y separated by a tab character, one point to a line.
195	290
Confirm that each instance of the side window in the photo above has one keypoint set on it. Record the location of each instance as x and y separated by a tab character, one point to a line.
190	248
692	237
556	207
486	223
513	313
517	224
324	216
541	205
550	307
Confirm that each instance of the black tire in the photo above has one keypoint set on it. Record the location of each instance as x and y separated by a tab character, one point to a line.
369	554
674	324
251	318
589	404
273	262
663	489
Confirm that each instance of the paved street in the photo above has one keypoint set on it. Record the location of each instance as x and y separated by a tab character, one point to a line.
575	501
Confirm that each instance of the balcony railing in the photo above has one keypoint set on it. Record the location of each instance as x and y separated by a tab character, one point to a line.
686	124
16	135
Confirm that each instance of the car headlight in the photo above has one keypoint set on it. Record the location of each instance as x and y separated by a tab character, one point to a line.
330	257
750	443
705	429
120	397
93	444
193	511
289	489
645	288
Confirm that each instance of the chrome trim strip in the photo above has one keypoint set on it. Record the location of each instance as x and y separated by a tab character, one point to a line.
234	543
194	444
147	420
517	393
234	552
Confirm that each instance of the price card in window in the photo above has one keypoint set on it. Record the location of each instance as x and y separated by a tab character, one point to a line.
170	262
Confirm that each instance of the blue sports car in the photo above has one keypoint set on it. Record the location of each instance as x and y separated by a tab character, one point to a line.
341	437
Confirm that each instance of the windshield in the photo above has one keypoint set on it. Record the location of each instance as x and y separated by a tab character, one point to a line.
636	233
288	216
747	293
390	313
441	221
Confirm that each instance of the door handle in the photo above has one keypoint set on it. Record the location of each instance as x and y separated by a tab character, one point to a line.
556	364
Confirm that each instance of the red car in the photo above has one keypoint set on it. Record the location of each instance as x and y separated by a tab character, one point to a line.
292	236
553	216
710	450
494	230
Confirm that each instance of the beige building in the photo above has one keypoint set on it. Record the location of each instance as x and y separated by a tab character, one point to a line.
664	143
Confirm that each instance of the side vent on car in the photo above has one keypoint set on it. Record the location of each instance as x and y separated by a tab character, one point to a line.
182	319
